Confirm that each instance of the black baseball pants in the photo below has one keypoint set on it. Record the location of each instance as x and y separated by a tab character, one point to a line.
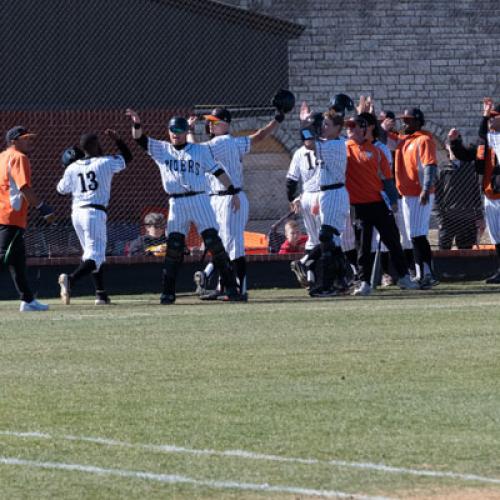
377	215
13	256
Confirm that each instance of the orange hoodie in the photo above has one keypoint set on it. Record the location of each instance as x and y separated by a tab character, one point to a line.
412	154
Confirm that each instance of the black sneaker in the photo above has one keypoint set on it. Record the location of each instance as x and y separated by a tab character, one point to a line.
167	299
102	299
320	292
493	280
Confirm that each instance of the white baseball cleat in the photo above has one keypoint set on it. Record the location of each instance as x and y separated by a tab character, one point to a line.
363	289
200	280
34	305
65	290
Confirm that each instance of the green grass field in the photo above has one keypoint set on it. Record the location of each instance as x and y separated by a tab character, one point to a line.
395	396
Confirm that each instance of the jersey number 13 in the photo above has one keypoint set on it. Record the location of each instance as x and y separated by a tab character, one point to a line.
92	185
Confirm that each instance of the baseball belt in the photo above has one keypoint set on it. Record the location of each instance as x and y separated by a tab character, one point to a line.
328	187
225	193
97	207
184	195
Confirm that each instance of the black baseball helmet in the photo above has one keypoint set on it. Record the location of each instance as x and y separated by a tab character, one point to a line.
178	125
341	103
283	101
70	155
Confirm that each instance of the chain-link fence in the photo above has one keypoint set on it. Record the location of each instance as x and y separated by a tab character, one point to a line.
74	66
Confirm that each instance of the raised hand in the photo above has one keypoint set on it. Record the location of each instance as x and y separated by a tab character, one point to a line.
453	134
133	115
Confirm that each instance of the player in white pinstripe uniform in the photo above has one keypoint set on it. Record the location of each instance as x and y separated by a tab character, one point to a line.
228	151
183	167
88	180
331	158
304	168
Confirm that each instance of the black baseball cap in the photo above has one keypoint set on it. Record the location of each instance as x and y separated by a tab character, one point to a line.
389	114
219	114
18	132
178	125
415	113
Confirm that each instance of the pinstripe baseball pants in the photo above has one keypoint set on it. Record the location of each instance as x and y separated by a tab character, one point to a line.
492	217
195	209
231	224
90	227
311	222
417	216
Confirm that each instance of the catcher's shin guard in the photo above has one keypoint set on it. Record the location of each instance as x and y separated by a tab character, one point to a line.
173	261
327	259
220	258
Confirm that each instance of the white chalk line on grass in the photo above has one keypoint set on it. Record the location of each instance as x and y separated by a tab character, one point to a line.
258	456
177	479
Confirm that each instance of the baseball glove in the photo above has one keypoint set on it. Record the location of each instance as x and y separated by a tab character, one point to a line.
283	101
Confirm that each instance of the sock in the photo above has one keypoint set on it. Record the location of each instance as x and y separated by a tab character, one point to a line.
352	257
384	262
240	268
410	258
86	267
97	278
209	269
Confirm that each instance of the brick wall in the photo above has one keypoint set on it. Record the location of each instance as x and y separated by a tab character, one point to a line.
439	55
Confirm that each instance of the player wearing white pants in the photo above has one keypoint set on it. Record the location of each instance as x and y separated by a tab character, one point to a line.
182	168
88	179
228	152
415	171
331	158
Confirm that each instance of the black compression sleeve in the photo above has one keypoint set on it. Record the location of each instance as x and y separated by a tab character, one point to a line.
143	141
291	189
219	172
124	150
483	128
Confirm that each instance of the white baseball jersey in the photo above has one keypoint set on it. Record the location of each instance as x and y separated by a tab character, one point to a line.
183	171
305	168
228	152
333	203
89	182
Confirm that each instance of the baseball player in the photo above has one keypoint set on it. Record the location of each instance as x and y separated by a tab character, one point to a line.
183	167
333	199
16	195
228	151
88	180
415	172
304	169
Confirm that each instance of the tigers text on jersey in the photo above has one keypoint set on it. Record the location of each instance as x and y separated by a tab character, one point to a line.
304	167
332	158
228	151
89	180
182	170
